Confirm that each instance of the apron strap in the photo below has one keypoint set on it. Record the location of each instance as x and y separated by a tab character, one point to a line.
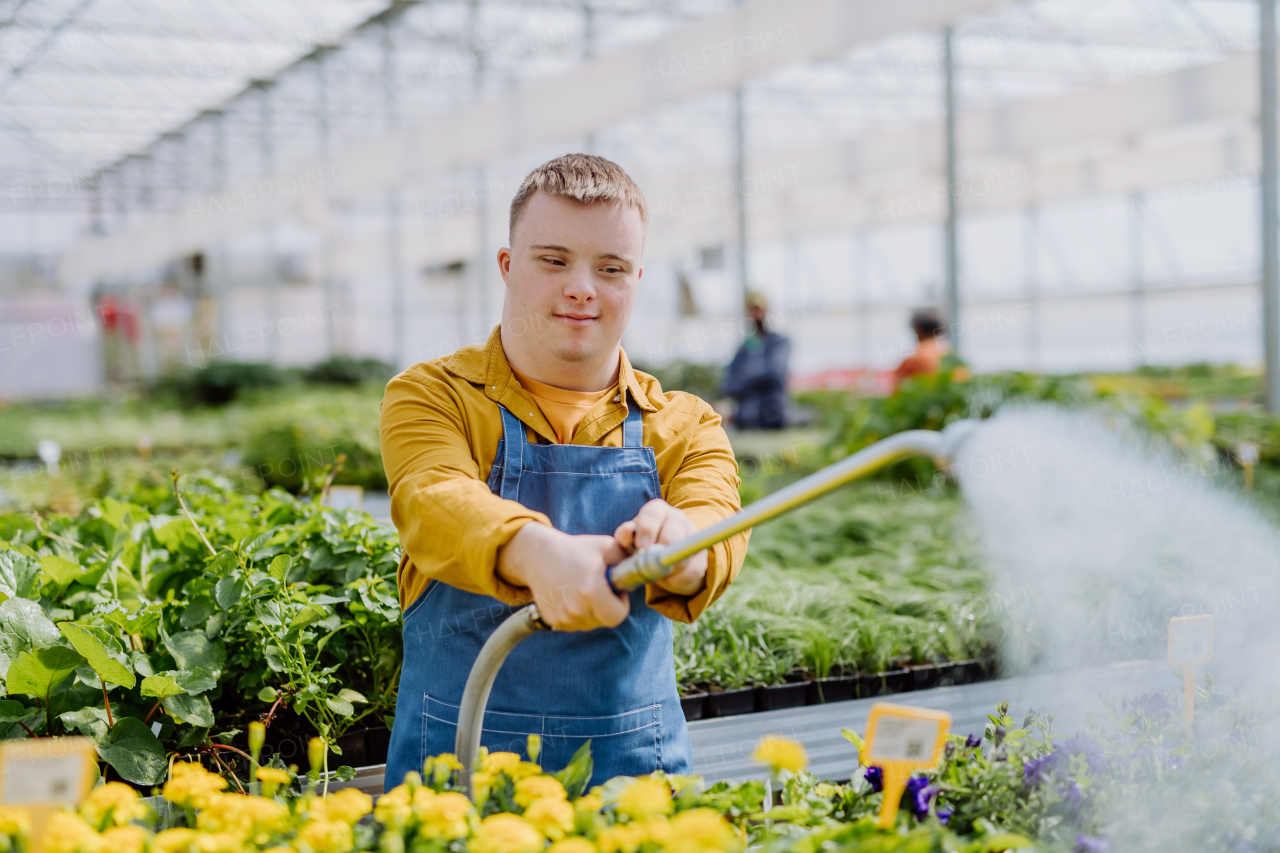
633	426
514	440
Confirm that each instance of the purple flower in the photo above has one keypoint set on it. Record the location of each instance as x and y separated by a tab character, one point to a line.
1086	844
875	776
972	740
944	815
919	795
1073	802
1152	704
1038	768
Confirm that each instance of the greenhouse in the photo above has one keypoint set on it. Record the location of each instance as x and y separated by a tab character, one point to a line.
639	426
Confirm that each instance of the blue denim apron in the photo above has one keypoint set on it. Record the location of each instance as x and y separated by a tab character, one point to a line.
613	686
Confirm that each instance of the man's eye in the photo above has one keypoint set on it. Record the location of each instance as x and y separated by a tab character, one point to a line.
613	270
554	261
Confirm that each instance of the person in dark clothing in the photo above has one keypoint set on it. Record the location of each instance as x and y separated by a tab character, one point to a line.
756	379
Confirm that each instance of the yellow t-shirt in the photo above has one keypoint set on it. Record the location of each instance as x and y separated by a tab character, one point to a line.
564	410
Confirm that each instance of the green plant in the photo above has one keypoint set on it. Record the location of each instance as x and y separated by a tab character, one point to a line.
147	627
349	370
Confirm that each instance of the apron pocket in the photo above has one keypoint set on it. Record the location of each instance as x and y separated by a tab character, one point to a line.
628	744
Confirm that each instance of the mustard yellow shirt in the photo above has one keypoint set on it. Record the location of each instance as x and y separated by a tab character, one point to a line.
439	431
564	410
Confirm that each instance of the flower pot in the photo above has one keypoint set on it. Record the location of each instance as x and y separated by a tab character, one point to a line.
726	703
778	696
694	705
377	744
883	683
923	677
837	688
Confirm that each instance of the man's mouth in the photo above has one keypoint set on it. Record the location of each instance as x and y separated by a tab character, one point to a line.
574	319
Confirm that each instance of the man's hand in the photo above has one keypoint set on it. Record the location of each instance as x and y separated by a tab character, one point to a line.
659	522
566	575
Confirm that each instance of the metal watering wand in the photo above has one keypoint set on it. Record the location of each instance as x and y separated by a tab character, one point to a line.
658	561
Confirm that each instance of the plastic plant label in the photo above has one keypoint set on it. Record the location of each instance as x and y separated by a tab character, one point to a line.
1190	639
45	775
1190	643
900	740
345	497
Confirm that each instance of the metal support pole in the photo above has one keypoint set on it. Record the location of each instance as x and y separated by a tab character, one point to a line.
221	269
395	258
952	261
327	261
1270	176
270	251
862	297
1031	275
1137	304
739	178
588	51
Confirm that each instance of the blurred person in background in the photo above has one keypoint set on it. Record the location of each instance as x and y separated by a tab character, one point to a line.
932	354
756	379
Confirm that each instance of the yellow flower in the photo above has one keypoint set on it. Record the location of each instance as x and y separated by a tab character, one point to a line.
393	806
184	840
589	803
192	785
114	797
539	787
700	830
15	822
440	767
500	761
657	829
506	833
125	839
525	769
316	754
272	778
780	753
241	816
325	836
348	806
448	815
552	817
621	839
572	845
644	798
67	832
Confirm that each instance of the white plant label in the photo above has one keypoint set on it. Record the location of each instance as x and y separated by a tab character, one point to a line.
904	739
1190	641
43	779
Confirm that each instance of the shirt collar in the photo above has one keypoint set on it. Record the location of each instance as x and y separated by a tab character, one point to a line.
488	365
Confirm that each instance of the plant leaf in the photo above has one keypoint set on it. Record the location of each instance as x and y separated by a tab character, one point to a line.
186	708
19	575
102	652
36	673
90	721
11	711
308	615
228	592
160	687
351	695
23	627
62	570
193	650
194	681
339	706
197	612
577	773
280	567
136	754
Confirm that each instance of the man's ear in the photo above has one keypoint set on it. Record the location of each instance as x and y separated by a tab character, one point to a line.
504	264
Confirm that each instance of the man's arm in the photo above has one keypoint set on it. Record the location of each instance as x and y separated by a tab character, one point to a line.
704	491
455	530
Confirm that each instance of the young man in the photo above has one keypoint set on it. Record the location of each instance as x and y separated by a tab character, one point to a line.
522	469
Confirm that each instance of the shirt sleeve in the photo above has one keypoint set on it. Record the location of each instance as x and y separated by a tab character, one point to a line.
705	486
451	526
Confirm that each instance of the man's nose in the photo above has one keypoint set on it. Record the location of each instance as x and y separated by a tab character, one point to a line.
580	286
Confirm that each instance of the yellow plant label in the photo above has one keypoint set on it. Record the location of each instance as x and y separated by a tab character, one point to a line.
1190	643
45	775
900	740
1190	639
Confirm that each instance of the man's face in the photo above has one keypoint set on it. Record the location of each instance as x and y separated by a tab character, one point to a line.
571	276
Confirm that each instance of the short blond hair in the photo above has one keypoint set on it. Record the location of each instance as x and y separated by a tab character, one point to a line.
582	177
